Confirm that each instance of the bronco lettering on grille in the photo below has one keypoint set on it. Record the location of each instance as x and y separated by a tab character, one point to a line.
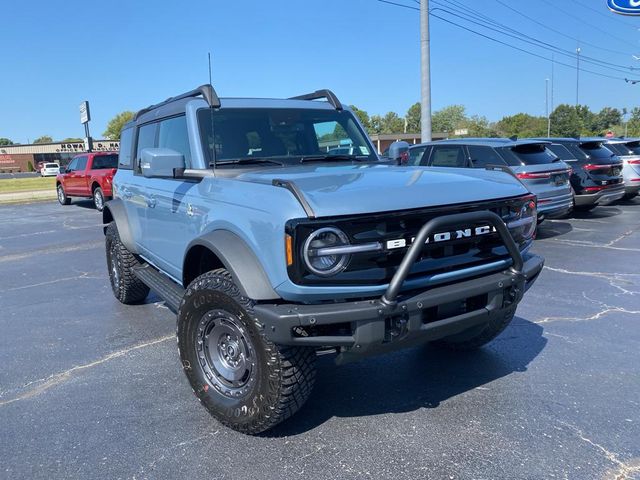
443	236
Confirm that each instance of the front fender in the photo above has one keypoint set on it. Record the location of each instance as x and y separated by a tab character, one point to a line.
240	261
114	211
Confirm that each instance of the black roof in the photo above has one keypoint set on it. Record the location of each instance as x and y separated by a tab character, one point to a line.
485	142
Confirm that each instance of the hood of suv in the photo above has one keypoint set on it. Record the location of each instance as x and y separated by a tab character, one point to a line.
355	189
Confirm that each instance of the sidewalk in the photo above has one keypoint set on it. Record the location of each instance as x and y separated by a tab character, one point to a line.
26	197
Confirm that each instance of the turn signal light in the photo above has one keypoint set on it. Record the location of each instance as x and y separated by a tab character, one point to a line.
288	249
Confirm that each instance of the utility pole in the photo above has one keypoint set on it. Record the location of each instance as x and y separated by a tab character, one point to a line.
578	75
425	75
546	102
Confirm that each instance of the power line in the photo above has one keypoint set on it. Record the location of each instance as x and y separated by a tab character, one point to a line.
570	14
398	4
493	39
615	18
559	32
532	40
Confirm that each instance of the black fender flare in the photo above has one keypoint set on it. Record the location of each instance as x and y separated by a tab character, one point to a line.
240	261
114	211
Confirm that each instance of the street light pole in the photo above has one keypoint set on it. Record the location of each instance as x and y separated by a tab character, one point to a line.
425	76
577	75
546	103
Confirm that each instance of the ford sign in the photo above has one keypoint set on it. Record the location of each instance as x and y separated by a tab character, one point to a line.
625	7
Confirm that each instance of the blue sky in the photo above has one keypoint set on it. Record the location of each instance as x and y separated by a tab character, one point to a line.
125	55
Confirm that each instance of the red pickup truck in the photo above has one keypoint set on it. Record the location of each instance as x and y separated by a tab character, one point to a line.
89	175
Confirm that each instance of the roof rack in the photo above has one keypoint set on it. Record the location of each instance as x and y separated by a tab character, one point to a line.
328	94
206	90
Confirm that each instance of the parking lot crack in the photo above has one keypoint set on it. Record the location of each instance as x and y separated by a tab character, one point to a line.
614	279
624	470
606	309
36	387
82	276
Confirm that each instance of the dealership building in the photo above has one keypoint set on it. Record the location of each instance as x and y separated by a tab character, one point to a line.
25	158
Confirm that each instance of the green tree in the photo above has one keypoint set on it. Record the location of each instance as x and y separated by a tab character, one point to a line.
448	119
43	139
633	128
413	118
588	120
392	123
522	125
375	124
115	125
5	141
71	140
565	121
606	119
362	116
478	126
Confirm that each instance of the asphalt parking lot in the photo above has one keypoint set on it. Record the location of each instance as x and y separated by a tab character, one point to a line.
90	388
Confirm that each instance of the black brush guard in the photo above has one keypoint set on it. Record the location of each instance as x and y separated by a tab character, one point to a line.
395	321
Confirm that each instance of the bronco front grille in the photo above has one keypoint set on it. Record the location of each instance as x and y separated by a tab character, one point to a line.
377	268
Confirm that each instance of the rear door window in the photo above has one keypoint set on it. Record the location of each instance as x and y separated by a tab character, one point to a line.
618	148
532	154
482	156
124	157
634	147
146	139
448	156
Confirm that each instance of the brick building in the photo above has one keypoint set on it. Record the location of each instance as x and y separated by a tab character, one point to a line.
25	158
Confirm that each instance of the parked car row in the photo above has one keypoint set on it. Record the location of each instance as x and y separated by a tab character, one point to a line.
564	173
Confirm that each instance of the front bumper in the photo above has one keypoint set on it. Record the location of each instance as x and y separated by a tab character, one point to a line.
395	321
603	197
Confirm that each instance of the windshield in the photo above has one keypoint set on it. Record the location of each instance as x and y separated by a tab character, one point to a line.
532	153
596	150
286	134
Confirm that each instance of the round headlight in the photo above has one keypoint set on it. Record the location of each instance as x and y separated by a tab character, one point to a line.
321	252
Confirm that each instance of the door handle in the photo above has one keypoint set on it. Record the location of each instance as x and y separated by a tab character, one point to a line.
126	193
190	210
151	201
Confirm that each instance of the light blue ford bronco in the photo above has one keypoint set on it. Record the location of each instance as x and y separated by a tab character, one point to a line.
276	232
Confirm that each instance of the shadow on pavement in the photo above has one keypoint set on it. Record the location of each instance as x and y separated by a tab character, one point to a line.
84	203
598	212
553	228
405	381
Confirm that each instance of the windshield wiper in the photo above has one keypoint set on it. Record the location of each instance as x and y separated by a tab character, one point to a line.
248	161
328	158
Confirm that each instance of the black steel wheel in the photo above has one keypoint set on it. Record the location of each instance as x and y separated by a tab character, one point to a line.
244	380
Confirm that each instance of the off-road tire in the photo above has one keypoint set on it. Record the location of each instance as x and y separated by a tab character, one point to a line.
98	199
126	287
62	197
281	378
473	340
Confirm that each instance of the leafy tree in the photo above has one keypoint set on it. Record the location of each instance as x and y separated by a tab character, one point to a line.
5	141
448	119
43	139
566	122
115	125
587	118
362	116
413	118
375	124
606	119
479	126
392	123
72	140
522	125
633	127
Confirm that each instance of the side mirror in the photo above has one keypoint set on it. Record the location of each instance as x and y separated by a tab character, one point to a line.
399	152
160	162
